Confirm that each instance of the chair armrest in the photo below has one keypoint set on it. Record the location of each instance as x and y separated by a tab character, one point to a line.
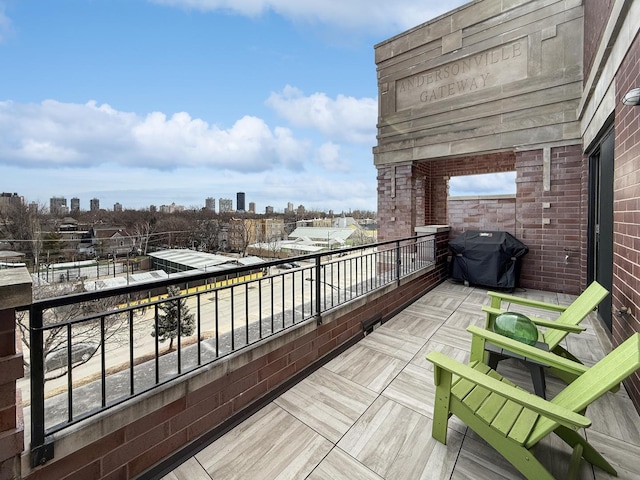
543	407
529	351
503	297
542	322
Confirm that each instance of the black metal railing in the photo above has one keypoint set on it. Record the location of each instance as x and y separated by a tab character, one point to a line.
92	351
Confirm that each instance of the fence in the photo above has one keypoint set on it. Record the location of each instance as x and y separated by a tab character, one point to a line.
92	351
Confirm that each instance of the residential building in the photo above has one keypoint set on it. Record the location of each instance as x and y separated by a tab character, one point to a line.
268	210
7	199
252	207
75	204
173	208
534	88
117	207
225	205
94	204
58	206
210	204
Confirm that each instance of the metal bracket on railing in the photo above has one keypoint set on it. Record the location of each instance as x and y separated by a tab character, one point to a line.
41	454
318	319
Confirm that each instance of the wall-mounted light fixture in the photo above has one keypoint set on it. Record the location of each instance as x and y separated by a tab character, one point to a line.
632	97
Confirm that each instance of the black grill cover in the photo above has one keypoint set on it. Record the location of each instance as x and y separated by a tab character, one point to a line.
491	259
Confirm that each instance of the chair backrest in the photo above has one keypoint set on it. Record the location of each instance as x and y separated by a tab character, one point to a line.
594	383
576	312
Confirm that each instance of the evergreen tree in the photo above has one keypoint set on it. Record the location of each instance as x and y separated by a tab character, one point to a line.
168	318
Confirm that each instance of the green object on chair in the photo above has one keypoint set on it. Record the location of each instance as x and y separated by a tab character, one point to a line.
517	326
555	331
514	421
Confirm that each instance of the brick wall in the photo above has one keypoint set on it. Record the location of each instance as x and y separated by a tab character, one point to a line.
626	235
397	200
117	447
440	171
15	291
482	213
553	222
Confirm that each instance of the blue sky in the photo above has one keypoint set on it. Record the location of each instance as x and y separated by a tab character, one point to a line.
160	101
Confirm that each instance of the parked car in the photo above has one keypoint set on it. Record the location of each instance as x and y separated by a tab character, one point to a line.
285	266
295	264
80	353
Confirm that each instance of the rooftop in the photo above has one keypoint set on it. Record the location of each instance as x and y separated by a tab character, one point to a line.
367	414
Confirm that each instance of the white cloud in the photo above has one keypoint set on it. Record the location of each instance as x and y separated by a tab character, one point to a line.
343	119
329	157
6	27
62	134
364	15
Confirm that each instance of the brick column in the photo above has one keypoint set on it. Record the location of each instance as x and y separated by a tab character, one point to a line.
15	291
401	201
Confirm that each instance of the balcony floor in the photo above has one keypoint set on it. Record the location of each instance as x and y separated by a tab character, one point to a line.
367	414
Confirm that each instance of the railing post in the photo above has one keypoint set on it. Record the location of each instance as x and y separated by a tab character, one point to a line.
318	290
398	262
15	291
40	450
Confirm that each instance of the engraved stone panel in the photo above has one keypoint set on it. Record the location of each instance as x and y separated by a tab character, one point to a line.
490	68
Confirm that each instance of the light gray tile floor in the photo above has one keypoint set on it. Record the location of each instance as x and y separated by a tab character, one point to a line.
367	414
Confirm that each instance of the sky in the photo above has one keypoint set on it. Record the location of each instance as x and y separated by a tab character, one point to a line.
154	102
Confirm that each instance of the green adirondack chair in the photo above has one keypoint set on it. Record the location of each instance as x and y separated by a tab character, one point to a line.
514	421
556	330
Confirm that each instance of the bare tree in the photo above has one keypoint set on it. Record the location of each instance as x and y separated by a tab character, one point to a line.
143	230
86	335
207	234
20	226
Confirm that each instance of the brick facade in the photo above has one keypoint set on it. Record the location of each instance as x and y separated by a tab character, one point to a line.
15	291
482	213
626	186
553	221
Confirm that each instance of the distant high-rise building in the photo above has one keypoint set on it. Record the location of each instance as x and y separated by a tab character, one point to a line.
210	204
301	210
58	205
94	204
268	209
173	208
153	208
252	207
289	207
117	207
7	199
75	204
240	202
225	205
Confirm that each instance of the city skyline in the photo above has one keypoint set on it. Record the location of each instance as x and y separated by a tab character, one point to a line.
59	205
145	102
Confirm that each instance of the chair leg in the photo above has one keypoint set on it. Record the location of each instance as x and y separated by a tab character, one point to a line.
590	454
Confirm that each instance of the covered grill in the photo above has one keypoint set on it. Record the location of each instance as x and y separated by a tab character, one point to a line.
487	258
